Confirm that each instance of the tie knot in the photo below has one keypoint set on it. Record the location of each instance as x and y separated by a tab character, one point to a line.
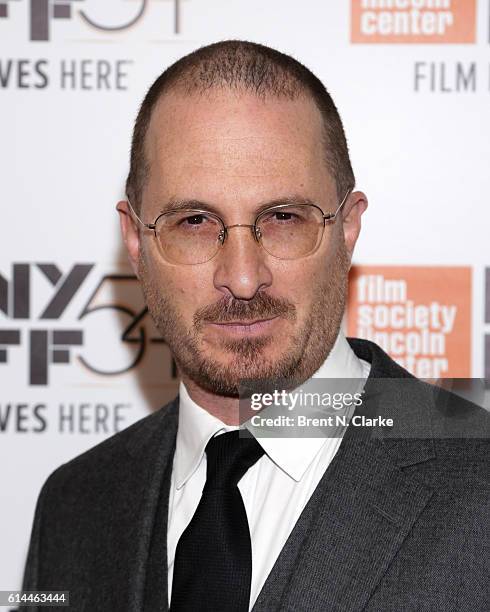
229	456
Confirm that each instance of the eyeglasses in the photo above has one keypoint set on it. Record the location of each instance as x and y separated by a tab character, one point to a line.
285	231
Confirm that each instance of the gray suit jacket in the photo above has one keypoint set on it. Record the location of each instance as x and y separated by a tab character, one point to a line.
394	524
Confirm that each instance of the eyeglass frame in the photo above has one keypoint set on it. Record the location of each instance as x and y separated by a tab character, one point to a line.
223	234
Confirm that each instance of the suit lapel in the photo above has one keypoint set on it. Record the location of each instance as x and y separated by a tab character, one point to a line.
360	513
152	453
364	511
351	528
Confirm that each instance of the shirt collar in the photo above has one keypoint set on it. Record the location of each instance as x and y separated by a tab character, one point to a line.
292	455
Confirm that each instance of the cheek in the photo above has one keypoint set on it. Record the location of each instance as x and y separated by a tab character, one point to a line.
301	282
188	290
177	283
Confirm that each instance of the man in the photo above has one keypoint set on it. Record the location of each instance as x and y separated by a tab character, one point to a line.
240	223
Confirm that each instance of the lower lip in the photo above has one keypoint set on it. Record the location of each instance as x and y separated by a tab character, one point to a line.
254	329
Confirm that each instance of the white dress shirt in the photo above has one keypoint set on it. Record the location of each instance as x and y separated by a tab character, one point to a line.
274	490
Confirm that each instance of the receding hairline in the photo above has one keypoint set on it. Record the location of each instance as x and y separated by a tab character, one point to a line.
180	95
241	66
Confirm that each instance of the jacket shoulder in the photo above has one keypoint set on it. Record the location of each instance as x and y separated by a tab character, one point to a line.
450	418
107	454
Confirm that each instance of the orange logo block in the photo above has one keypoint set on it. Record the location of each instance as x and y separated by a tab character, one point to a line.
421	316
413	21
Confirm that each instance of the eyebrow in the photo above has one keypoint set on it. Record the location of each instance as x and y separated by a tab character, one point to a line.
178	205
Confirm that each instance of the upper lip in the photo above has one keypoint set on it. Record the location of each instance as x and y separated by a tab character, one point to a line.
243	322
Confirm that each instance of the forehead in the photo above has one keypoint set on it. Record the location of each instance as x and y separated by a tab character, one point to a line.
208	146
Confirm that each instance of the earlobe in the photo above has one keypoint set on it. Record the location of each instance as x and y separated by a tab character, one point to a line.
129	233
355	207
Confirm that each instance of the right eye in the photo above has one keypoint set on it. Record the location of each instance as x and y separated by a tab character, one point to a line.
194	222
197	219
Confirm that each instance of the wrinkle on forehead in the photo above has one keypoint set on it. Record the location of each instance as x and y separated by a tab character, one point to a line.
224	114
249	155
230	136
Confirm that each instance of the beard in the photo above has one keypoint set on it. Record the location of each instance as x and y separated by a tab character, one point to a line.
304	353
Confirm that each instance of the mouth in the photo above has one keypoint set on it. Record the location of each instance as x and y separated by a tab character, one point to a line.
248	328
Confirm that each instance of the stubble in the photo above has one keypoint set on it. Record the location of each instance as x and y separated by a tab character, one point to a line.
246	359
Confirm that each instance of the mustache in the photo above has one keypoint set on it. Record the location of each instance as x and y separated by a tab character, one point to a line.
228	309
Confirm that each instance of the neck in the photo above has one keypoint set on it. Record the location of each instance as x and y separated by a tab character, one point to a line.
226	409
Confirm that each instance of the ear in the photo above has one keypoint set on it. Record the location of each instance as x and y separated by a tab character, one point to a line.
355	205
130	234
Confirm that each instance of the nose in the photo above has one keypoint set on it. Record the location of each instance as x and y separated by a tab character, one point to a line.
241	266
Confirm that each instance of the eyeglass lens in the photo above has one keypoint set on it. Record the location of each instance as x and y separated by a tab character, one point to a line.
191	237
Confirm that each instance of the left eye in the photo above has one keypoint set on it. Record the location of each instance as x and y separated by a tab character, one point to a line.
284	216
195	220
281	216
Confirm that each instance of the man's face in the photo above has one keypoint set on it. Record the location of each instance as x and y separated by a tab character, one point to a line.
244	314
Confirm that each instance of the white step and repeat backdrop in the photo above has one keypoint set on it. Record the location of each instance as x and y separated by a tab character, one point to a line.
79	358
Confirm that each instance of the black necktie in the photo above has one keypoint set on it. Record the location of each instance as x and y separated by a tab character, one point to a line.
213	559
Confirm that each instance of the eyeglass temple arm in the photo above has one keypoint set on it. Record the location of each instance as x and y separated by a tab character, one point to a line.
150	226
333	216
